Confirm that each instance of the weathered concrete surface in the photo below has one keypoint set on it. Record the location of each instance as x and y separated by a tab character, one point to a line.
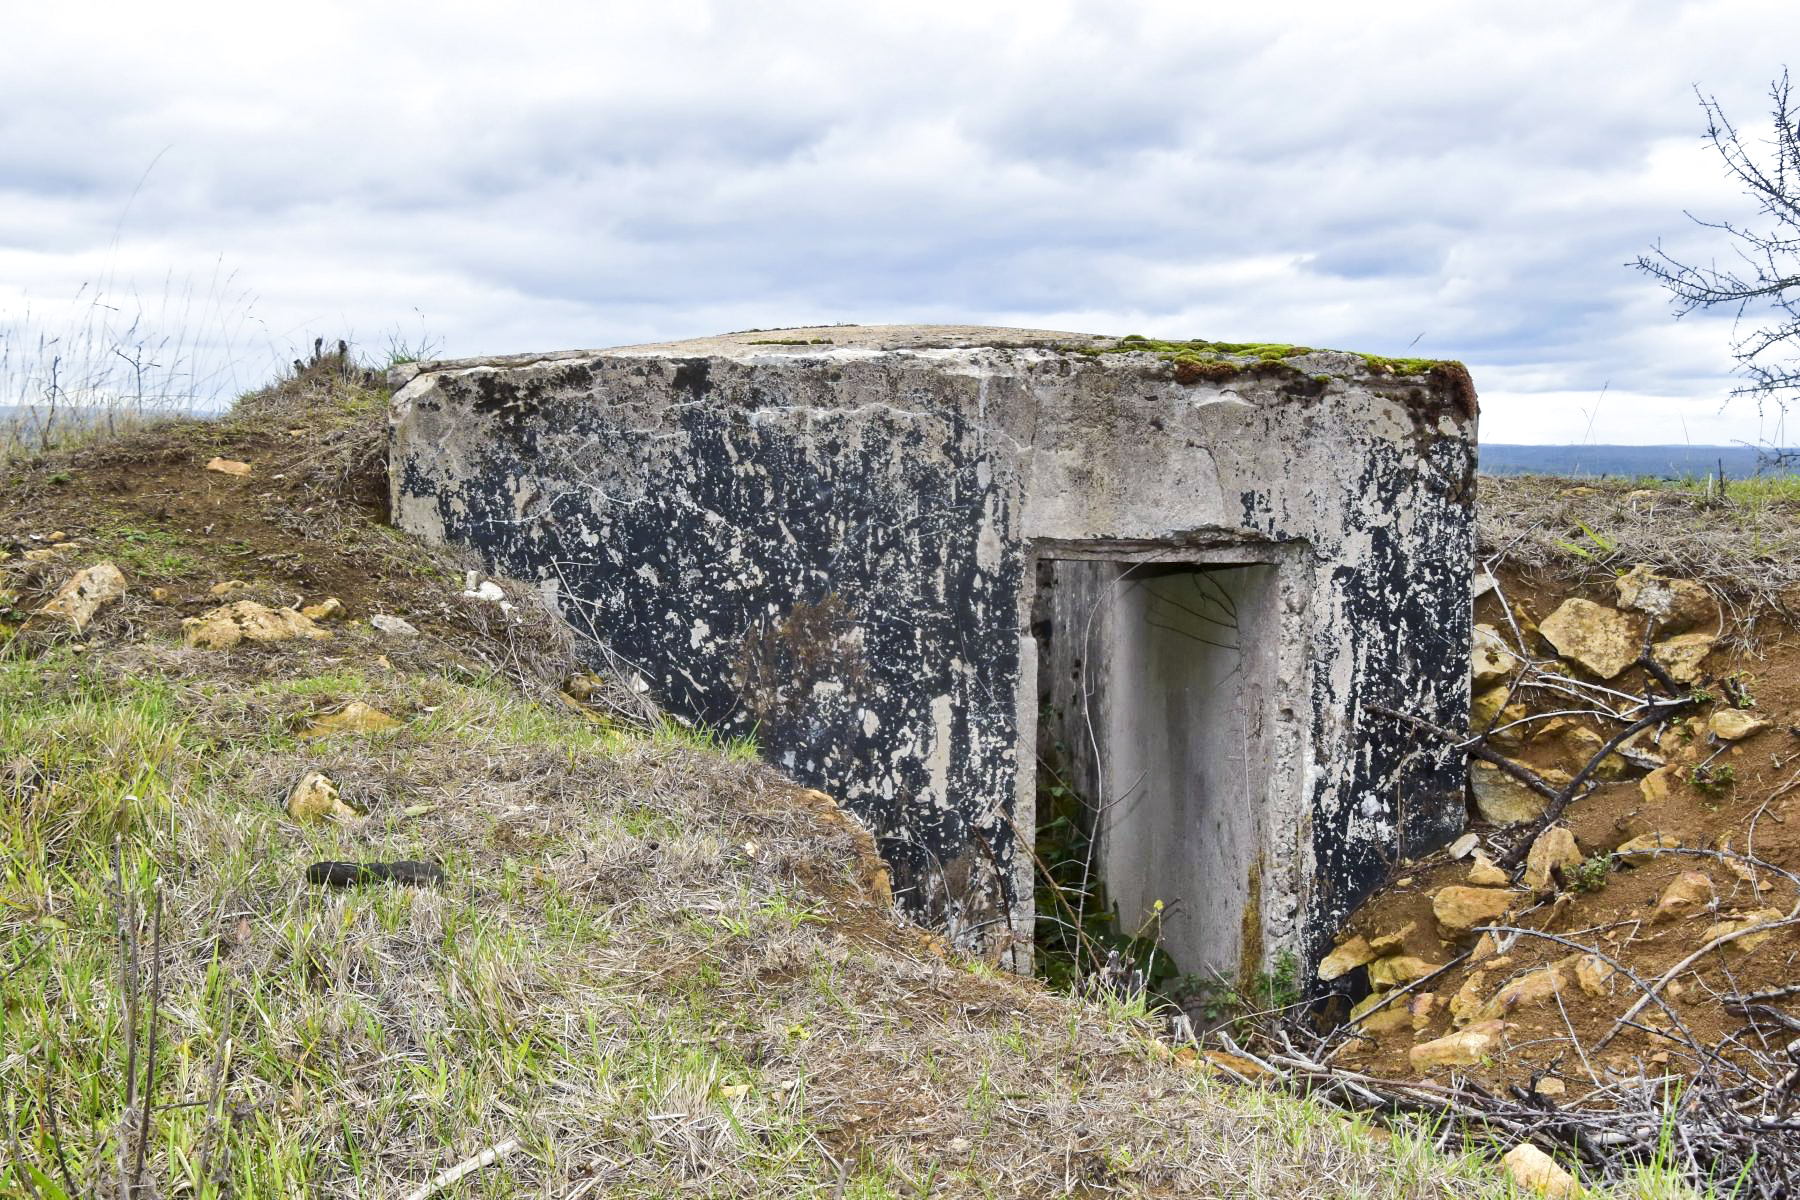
831	538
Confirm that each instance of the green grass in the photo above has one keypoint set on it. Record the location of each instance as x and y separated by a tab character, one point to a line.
622	970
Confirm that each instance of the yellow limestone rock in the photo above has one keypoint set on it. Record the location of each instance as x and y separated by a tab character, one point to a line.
229	466
247	621
1654	787
1734	724
1352	954
354	717
1677	604
1529	988
1485	874
1401	969
1594	975
1604	641
1683	655
1390	943
1688	893
1554	850
315	798
1749	920
1507	801
83	594
227	586
1372	1016
1468	999
330	609
1465	1048
1421	1009
1585	743
1640	850
1459	909
1531	1170
46	553
1490	659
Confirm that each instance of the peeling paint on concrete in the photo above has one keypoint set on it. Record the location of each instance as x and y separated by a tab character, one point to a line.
836	546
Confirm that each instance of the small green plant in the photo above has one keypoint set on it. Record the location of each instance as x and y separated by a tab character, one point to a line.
1736	687
1223	1002
1713	781
1591	875
1597	550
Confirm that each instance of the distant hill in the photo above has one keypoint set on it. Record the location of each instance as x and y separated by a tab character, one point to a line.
1661	462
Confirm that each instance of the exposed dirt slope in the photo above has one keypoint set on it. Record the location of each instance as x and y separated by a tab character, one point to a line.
1727	809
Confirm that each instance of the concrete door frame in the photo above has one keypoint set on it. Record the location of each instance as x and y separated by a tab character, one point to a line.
1278	873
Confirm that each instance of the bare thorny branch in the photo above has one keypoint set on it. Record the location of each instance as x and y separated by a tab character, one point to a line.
1768	269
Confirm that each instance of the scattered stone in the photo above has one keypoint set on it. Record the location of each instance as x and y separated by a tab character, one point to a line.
247	621
1421	1009
1655	786
1534	1171
354	717
1749	920
1594	975
1389	943
1681	656
83	594
229	466
1465	1048
330	609
1397	971
1485	708
316	798
1379	1018
1507	801
487	590
1529	988
1468	999
160	594
1459	909
1677	604
1688	893
1734	724
1485	874
1550	1087
1585	743
1604	641
1352	954
46	553
393	626
1490	659
1464	846
1554	850
1640	850
226	587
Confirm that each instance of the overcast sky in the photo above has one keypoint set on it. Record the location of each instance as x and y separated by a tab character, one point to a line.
1438	179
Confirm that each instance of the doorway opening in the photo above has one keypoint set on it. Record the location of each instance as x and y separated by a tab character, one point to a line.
1152	748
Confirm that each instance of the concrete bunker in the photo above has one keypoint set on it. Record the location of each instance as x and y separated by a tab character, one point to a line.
886	551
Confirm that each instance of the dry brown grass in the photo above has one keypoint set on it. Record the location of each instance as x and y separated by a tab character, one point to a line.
1744	545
